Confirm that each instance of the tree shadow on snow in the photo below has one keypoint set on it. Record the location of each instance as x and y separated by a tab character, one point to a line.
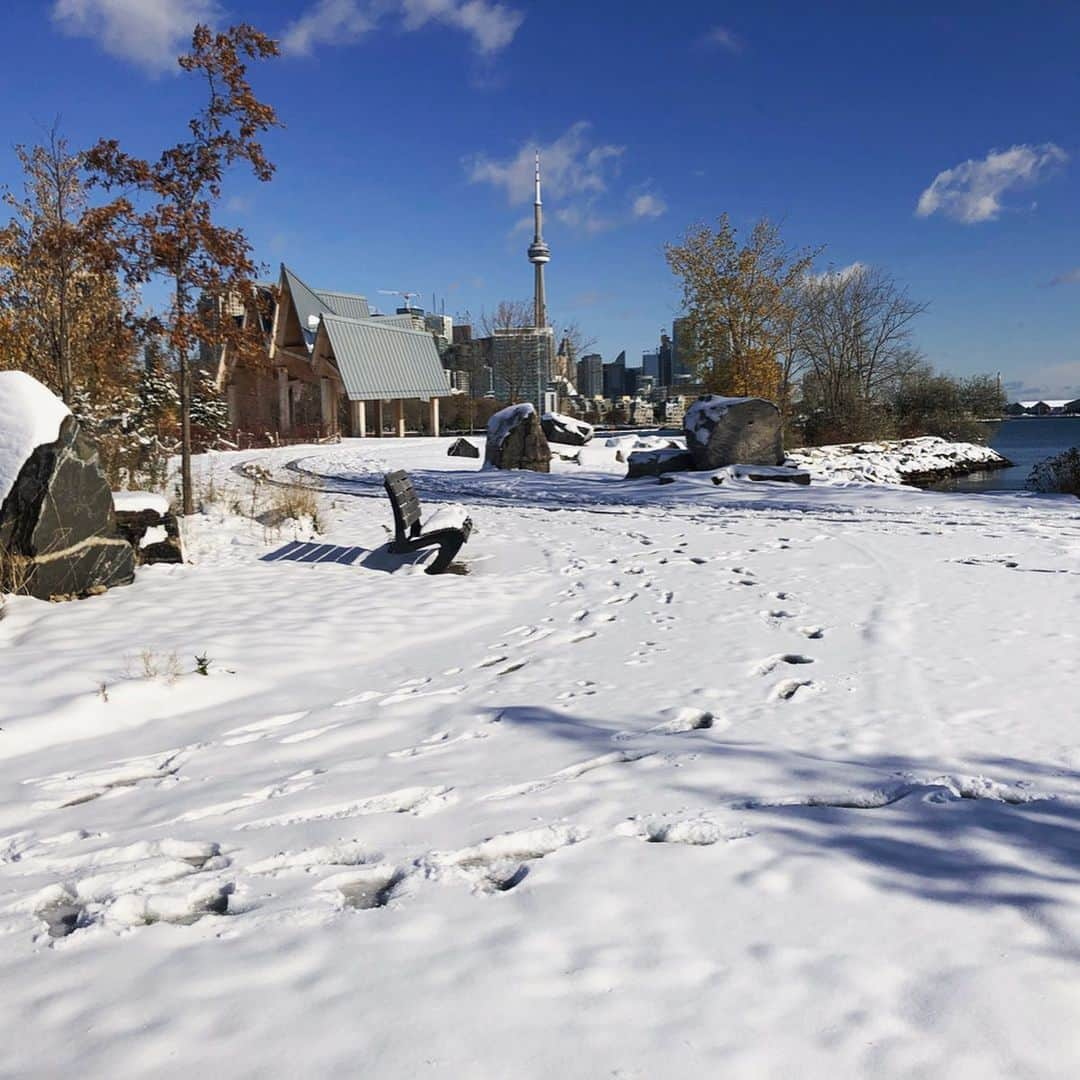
999	831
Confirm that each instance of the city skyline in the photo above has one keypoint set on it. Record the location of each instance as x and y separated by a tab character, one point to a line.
397	173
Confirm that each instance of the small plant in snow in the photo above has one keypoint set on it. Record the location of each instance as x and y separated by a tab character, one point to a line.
202	665
166	665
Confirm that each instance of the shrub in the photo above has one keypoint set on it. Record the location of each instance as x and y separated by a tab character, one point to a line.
297	501
1059	474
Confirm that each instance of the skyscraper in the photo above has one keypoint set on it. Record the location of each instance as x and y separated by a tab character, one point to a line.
682	347
590	376
539	255
615	377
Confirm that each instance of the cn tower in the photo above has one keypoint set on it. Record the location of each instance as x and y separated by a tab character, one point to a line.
539	254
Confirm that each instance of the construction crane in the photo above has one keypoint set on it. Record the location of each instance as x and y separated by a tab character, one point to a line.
406	296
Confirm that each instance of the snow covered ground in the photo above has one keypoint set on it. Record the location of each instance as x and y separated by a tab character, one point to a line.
679	781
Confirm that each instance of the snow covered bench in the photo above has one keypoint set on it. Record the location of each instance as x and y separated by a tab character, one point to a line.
448	528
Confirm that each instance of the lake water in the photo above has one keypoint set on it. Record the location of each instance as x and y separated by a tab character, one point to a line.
1025	442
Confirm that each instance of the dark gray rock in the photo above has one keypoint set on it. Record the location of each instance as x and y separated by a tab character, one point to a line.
565	430
515	440
768	474
463	448
57	526
657	462
133	525
728	431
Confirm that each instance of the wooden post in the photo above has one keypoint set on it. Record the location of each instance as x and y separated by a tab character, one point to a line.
328	410
359	419
378	419
435	416
400	405
284	405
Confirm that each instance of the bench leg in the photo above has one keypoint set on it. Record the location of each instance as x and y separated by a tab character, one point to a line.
447	550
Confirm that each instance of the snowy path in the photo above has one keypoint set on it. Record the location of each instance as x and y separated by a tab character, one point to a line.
720	785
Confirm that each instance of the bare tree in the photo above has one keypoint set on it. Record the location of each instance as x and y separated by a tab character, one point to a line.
514	366
854	335
507	315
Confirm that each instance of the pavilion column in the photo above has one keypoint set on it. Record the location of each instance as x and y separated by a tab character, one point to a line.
329	406
400	414
284	407
379	418
358	410
435	416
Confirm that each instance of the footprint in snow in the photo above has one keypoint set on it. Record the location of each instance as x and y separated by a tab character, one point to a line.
499	864
571	772
788	688
771	663
696	831
367	889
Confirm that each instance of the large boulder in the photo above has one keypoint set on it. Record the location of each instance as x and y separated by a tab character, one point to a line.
515	440
657	462
58	535
565	429
463	448
728	431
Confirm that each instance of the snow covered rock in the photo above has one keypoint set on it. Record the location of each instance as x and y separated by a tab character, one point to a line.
515	440
727	431
896	461
148	524
58	531
658	462
565	429
463	448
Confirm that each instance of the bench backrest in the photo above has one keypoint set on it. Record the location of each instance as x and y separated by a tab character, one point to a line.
404	501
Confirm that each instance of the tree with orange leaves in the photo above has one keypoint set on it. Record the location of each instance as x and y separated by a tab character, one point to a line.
173	233
742	301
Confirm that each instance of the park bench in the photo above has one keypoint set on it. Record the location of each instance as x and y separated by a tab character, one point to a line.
447	528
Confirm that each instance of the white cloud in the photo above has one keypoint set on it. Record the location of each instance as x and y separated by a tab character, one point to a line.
490	25
649	206
1070	277
572	164
844	273
1054	381
972	191
722	38
584	218
149	33
329	22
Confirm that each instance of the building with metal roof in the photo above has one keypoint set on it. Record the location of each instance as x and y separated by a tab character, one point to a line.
351	305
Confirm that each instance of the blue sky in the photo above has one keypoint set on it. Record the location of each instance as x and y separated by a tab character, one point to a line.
944	148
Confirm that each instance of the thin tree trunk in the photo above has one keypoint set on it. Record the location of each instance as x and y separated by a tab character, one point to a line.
187	496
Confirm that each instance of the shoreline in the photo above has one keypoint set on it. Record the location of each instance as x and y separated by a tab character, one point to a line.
916	462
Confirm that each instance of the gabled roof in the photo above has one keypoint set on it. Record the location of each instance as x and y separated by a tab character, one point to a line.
378	362
306	302
351	305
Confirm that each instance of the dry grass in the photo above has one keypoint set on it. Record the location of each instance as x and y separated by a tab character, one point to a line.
154	665
296	501
14	570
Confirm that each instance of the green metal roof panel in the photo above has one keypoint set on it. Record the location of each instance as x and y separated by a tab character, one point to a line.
351	305
379	362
